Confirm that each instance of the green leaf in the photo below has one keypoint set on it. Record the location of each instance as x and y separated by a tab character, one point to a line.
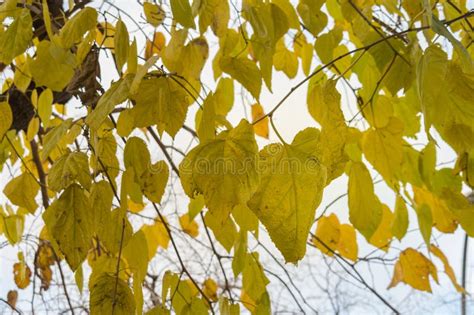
69	221
365	212
182	13
77	26
69	168
110	295
15	40
290	190
223	170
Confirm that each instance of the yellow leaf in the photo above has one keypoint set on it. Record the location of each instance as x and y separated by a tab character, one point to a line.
225	96
22	77
210	289
365	213
105	35
327	43
443	218
73	31
313	18
287	7
245	72
261	128
206	119
121	43
214	13
33	128
383	148
347	246
6	118
285	60
45	106
289	193
225	233
109	293
12	226
400	222
245	218
328	234
15	40
182	13
162	102
379	112
70	224
414	269
116	94
189	226
136	255
154	14
125	123
254	280
53	66
22	274
155	46
153	181
69	168
22	190
447	268
383	235
156	236
223	170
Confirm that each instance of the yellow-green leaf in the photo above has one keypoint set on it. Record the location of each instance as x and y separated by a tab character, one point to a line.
6	118
53	66
162	102
111	295
77	26
245	71
121	42
223	170
69	221
45	106
154	14
22	191
290	191
400	222
182	13
365	213
116	94
15	40
69	168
